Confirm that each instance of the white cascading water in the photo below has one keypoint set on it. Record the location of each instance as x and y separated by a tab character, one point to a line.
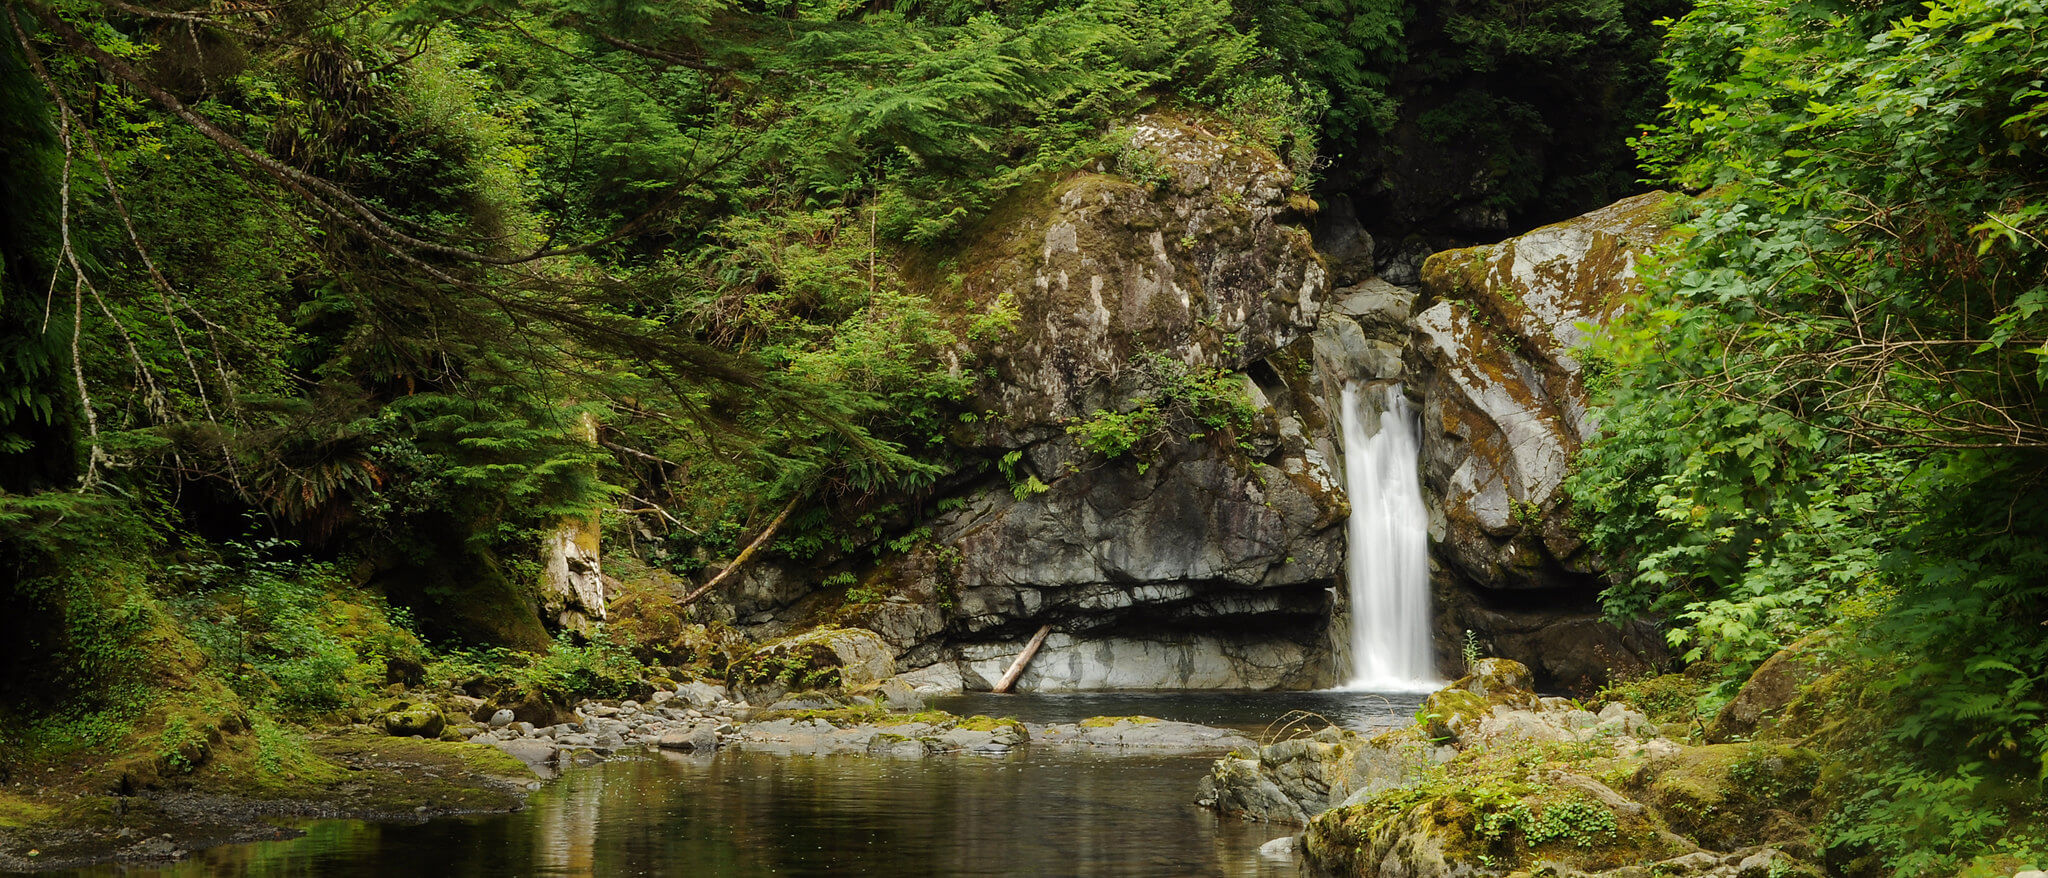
1389	548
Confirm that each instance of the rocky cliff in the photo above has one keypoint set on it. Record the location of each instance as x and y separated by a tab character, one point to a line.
1208	552
1204	555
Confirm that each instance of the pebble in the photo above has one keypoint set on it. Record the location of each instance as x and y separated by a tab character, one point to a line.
501	719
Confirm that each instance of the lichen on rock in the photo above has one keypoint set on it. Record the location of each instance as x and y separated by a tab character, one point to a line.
1505	407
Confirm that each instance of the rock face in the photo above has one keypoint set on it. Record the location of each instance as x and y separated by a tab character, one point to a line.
1197	252
1191	661
572	587
1211	555
1504	410
1203	562
1203	556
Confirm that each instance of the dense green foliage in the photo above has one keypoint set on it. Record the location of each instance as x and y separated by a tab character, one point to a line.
1829	410
1460	121
1190	401
320	315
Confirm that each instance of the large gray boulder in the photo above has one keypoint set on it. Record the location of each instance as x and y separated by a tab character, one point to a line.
1292	780
1230	540
1498	357
1505	403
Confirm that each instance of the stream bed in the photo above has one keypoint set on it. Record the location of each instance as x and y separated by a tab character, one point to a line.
1035	811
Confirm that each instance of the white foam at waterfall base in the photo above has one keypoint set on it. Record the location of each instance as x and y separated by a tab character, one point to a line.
1388	564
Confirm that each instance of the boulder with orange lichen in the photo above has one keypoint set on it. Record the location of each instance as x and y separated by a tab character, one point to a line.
1505	406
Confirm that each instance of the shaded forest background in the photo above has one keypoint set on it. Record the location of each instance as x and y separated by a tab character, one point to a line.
317	317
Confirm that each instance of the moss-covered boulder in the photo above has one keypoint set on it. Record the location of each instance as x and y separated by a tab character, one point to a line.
1489	812
1511	784
1728	796
1290	780
1772	688
527	706
1448	714
1499	678
825	659
413	719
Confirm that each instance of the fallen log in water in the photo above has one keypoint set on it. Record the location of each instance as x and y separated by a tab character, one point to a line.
1023	658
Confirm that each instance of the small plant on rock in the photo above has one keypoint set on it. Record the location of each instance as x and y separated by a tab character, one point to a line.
1578	822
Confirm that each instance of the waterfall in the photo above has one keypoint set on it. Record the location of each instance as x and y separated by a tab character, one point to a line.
1388	565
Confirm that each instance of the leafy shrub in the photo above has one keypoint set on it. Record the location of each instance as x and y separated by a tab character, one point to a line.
1113	434
287	633
1848	332
1281	116
601	667
1578	822
1193	400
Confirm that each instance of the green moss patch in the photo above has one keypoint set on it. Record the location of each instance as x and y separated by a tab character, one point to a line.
1103	722
1448	713
1497	807
17	810
1727	796
979	723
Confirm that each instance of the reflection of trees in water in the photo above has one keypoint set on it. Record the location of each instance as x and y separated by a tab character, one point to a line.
565	829
748	814
954	815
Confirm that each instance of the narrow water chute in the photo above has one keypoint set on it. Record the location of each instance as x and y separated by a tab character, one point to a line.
1388	564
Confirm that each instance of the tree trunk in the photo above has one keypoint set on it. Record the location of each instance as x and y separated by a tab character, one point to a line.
744	555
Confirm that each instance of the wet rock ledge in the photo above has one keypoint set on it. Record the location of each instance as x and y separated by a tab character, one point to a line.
702	717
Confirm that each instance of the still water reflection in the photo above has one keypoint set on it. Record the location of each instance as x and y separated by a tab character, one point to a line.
1249	712
1037	811
742	814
